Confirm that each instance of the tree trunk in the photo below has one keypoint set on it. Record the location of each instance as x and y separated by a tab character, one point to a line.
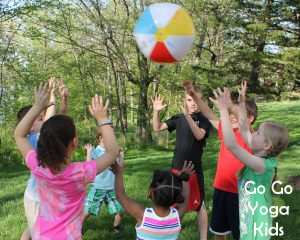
143	120
254	85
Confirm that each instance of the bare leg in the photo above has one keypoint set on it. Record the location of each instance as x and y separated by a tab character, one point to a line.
202	223
117	220
26	235
86	216
185	192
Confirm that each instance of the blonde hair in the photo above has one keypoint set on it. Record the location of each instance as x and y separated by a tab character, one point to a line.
277	135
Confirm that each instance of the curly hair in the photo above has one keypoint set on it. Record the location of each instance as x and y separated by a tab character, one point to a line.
166	188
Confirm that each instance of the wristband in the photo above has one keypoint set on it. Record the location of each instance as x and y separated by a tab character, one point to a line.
101	123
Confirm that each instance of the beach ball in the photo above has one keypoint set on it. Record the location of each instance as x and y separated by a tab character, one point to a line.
164	32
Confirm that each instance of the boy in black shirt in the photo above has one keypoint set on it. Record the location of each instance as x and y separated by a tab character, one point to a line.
192	129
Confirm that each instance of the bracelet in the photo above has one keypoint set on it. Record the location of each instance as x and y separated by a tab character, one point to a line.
101	123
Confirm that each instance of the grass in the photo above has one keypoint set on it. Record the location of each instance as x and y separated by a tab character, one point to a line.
140	164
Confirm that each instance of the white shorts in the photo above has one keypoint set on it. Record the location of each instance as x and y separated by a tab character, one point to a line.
31	210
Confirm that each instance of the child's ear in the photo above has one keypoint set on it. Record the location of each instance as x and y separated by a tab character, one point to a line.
268	146
251	119
75	142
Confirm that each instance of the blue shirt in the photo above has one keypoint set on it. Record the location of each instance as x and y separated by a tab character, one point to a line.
106	179
31	190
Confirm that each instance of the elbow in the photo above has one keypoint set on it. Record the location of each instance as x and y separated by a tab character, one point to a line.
200	136
16	135
155	128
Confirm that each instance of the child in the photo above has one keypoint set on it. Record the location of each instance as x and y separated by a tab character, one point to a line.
266	143
225	210
61	184
162	220
31	198
192	130
102	189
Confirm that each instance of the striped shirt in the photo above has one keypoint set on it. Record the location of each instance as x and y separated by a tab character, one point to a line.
154	227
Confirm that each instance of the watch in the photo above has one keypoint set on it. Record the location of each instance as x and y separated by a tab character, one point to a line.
104	122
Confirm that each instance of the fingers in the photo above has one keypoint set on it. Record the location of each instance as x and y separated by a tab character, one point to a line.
106	104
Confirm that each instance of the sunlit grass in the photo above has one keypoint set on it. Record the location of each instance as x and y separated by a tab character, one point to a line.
139	167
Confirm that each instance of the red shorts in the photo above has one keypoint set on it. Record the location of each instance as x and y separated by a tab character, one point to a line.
194	198
194	201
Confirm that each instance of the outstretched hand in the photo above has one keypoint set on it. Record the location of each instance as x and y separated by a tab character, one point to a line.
62	89
158	103
52	83
188	168
243	91
97	109
88	147
42	94
222	99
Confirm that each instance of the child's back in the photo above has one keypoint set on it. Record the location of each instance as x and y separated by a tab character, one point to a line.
250	198
62	196
61	184
106	179
156	227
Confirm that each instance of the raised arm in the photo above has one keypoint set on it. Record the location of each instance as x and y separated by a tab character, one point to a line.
243	119
64	97
158	105
132	207
99	112
198	133
88	147
222	102
51	110
204	108
41	102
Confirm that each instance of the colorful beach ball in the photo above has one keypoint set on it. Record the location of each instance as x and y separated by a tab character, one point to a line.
164	32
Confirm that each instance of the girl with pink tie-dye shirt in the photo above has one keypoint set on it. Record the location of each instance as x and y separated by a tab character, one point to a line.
61	184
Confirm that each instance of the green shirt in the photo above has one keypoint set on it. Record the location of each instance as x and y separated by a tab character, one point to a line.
255	199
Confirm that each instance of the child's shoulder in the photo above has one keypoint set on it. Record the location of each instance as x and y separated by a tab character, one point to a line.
270	162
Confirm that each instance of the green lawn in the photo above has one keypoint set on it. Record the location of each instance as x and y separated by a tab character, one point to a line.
140	164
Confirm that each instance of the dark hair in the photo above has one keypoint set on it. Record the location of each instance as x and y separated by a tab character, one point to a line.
166	188
55	136
251	109
22	112
250	103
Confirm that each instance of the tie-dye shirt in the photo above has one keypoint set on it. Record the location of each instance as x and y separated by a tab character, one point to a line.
61	198
154	227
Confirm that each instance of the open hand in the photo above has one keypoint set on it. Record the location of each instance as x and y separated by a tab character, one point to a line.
63	90
42	94
222	99
243	91
188	168
88	147
97	109
52	83
188	85
118	166
157	102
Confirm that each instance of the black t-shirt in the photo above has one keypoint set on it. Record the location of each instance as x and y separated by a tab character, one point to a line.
187	146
